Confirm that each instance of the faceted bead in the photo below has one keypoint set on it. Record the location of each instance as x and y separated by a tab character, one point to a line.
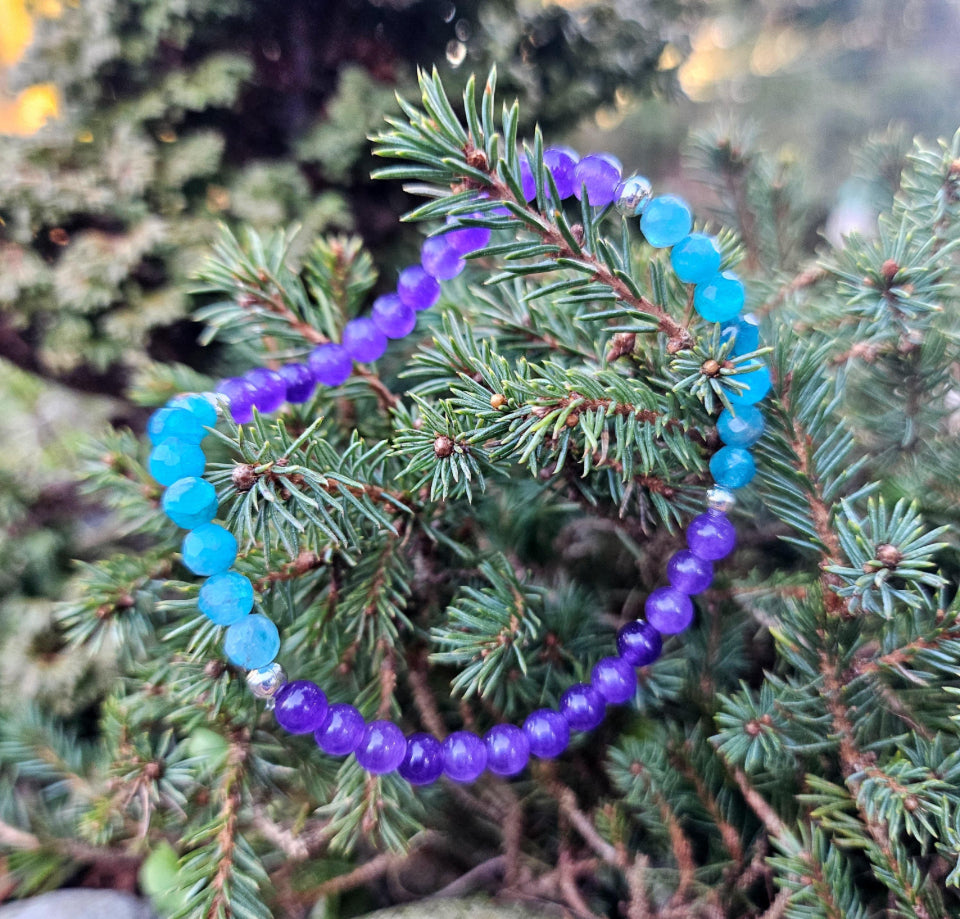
464	240
172	421
615	679
757	382
632	195
299	382
190	501
300	707
392	316
547	732
528	184
599	173
382	747
582	707
209	549
711	536
363	341
732	467
265	682
341	730
720	499
226	598
665	221
720	298
239	394
746	334
423	760
202	404
331	364
271	389
439	259
689	573
251	643
743	429
508	749
417	288
174	459
562	163
695	258
668	610
464	756
639	643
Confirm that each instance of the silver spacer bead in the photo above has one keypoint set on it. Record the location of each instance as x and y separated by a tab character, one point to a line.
720	499
632	195
265	682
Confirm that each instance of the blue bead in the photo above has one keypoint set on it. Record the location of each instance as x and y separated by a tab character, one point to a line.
209	549
548	733
363	340
695	258
720	298
190	501
175	459
330	364
173	421
746	334
582	707
392	316
743	429
251	643
757	383
226	598
665	221
508	749
615	679
732	467
423	761
202	405
341	730
464	756
381	748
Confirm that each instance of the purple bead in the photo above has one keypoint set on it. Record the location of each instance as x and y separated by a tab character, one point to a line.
382	747
689	573
439	259
341	730
668	610
464	756
711	536
508	749
299	380
615	679
547	732
582	707
562	163
600	173
528	184
363	341
330	364
465	240
639	643
240	393
417	288
392	316
301	707
271	389
423	761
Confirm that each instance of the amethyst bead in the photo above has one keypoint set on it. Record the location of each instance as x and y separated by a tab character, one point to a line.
301	706
547	732
599	173
382	747
417	288
363	340
464	240
562	163
711	536
508	749
240	394
341	730
639	643
423	760
299	381
464	756
330	364
271	389
582	707
528	184
668	610
392	316
689	573
439	259
615	679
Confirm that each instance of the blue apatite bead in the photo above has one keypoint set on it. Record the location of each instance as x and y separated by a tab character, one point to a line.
252	643
209	549
201	404
720	298
743	429
665	221
695	258
174	459
732	467
190	501
757	382
226	598
745	332
171	421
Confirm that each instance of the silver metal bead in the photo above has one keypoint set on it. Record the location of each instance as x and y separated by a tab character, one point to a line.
632	195
265	682
720	499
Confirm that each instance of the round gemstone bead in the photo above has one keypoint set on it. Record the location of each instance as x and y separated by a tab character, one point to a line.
599	173
439	259
226	598
695	258
757	382
251	643
209	549
341	730
639	643
363	341
711	536
299	382
689	573
668	610
418	289
202	404
392	316
562	163
240	394
190	501
464	756
174	459
508	749
732	467
548	733
330	364
528	184
746	334
381	748
720	499
172	421
300	706
743	429
582	707
665	221
615	679
265	682
720	298
632	194
271	389
423	760
464	240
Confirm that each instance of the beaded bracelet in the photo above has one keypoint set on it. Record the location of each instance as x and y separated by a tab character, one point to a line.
252	640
